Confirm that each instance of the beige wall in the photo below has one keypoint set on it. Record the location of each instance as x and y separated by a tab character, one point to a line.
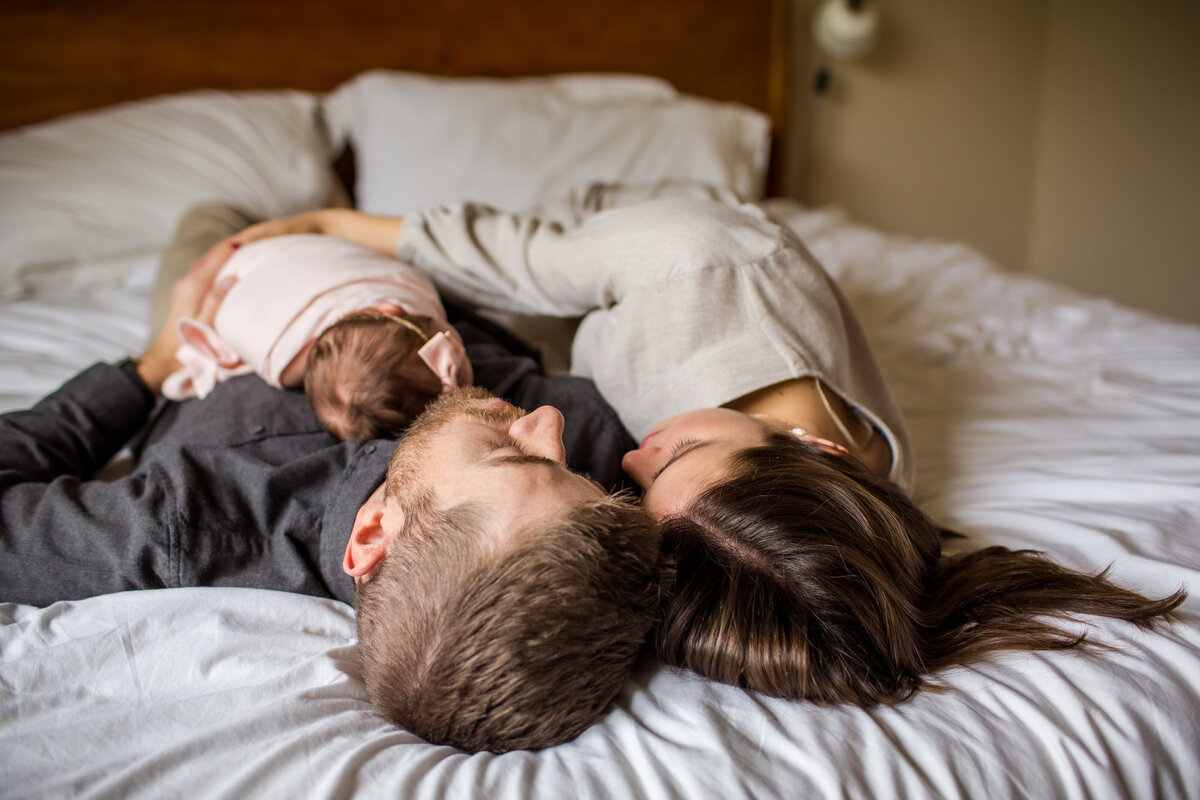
1058	136
1117	180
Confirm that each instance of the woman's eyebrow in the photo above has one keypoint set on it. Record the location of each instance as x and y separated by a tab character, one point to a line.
680	453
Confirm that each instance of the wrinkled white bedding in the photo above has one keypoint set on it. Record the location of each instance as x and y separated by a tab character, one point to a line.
1041	418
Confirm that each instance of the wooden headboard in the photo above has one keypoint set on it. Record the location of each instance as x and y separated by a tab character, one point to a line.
60	56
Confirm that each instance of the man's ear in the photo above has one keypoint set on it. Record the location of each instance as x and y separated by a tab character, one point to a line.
369	539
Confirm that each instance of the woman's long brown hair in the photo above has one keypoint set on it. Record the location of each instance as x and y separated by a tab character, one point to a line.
808	577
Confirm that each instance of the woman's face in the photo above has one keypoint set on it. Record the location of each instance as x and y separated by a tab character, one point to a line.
684	455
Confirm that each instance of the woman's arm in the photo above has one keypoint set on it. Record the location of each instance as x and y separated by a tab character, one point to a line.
487	257
376	232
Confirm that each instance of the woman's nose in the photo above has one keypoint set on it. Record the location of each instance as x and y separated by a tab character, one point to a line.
636	464
540	433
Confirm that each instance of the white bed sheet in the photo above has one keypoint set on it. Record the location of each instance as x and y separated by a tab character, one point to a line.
1041	418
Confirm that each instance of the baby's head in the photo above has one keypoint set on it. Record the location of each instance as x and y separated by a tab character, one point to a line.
364	377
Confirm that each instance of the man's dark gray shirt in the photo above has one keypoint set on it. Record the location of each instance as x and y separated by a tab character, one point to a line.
242	488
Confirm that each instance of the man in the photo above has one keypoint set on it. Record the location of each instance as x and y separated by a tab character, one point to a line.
503	597
551	578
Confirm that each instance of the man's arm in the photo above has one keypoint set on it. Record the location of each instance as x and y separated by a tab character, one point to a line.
75	430
79	427
64	535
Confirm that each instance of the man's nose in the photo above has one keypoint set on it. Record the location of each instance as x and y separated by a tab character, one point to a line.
540	433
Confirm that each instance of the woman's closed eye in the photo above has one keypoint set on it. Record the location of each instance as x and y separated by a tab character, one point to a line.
678	450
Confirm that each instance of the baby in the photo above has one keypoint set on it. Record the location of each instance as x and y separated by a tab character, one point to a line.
365	334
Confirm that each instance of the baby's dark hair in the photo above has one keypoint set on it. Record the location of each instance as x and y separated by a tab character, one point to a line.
364	379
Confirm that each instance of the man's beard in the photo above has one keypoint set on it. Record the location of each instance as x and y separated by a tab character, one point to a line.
404	481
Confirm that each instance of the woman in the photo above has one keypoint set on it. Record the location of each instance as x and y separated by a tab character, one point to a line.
803	568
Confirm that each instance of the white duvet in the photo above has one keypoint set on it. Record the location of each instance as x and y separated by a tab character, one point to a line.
1041	418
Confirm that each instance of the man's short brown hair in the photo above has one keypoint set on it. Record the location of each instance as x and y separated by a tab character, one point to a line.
521	650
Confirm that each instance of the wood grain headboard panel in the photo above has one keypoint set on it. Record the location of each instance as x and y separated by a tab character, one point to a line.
60	56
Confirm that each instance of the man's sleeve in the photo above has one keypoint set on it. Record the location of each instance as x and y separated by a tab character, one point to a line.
78	428
64	535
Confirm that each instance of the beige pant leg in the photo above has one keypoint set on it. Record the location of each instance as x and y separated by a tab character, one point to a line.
199	230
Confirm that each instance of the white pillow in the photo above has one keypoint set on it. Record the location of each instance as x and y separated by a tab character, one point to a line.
98	184
421	140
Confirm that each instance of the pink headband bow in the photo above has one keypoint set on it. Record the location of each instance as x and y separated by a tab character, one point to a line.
442	354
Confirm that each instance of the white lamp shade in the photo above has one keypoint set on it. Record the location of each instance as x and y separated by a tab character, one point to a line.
846	30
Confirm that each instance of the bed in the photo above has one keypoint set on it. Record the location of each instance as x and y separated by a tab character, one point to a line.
1041	417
